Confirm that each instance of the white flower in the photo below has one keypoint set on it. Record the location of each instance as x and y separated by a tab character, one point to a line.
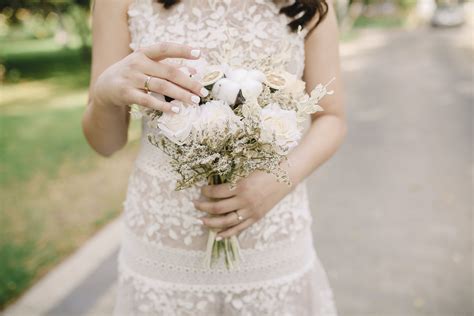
251	89
257	75
215	116
178	126
279	127
237	75
226	90
249	82
294	86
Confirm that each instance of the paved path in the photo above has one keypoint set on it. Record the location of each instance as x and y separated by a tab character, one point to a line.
393	217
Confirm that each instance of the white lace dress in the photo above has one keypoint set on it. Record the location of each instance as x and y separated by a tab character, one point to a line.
161	264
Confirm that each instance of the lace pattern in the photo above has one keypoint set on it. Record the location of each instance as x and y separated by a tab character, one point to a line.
160	215
187	268
161	270
299	295
166	281
228	31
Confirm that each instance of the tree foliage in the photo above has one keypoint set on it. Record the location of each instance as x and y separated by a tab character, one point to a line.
40	6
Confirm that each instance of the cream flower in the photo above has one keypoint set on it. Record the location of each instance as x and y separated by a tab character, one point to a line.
215	116
178	126
294	86
279	127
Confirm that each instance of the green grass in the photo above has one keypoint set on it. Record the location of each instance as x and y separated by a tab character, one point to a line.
379	22
39	142
40	127
22	259
47	170
42	59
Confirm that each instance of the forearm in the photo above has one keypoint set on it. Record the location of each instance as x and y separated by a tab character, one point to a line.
328	128
105	127
322	140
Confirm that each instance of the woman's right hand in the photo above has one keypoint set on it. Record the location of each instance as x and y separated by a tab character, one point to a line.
123	83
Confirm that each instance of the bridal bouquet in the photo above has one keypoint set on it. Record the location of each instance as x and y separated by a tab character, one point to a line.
250	121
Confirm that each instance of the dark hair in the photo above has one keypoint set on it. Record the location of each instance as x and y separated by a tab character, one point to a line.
302	12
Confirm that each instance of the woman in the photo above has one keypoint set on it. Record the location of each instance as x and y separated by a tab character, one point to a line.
140	45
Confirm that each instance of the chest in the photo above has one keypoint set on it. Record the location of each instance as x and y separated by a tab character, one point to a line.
228	31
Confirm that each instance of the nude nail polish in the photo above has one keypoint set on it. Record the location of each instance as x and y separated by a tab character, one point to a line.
175	109
195	52
195	99
199	221
218	238
204	92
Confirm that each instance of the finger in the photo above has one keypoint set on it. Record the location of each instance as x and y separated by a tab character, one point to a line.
219	191
222	221
164	50
235	230
192	71
218	207
175	75
141	98
171	90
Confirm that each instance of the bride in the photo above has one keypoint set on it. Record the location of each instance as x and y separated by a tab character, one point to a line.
141	46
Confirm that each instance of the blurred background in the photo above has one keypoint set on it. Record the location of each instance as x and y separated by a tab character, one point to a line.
392	211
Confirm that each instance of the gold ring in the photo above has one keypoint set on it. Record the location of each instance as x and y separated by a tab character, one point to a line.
147	84
239	217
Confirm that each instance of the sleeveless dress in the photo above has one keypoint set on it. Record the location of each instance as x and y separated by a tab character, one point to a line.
161	262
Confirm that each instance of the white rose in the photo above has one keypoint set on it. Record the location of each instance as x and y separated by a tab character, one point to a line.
178	126
279	127
215	116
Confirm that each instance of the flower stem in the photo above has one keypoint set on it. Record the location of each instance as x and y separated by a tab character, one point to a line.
229	246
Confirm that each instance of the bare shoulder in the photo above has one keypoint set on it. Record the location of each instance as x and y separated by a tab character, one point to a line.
325	24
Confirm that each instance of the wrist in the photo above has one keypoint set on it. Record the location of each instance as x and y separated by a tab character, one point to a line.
101	96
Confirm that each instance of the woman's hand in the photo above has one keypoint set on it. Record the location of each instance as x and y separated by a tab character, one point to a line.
123	83
253	197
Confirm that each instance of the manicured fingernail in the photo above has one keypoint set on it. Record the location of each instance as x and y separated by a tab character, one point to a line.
218	238
195	52
195	99
175	109
199	221
204	92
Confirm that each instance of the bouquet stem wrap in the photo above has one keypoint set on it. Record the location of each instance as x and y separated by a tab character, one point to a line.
228	247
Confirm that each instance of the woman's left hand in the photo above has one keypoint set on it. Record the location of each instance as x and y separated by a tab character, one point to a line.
231	211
